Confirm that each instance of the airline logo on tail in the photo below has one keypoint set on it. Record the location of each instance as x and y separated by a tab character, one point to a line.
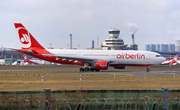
173	61
24	37
25	58
28	41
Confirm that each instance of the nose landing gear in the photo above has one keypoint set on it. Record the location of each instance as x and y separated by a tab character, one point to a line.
147	69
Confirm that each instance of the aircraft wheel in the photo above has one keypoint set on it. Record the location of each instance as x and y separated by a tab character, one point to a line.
86	69
147	70
92	69
81	69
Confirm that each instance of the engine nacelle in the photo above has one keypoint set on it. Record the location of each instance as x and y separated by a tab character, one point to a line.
102	65
120	67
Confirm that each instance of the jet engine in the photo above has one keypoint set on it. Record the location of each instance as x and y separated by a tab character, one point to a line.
102	65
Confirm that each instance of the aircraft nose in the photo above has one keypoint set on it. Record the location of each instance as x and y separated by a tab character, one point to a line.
163	59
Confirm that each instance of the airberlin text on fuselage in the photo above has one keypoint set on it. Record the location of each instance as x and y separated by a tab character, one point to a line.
130	56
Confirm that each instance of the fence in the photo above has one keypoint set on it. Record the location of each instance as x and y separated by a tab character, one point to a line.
91	100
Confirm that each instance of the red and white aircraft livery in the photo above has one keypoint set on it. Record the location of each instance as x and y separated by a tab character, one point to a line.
171	62
97	59
26	59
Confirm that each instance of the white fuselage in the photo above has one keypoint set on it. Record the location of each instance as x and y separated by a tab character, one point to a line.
122	57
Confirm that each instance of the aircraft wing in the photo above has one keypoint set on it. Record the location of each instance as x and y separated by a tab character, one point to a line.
76	59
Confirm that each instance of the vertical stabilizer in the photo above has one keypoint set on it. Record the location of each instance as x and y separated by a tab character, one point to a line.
26	39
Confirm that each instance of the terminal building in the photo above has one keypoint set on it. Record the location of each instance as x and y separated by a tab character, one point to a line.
7	56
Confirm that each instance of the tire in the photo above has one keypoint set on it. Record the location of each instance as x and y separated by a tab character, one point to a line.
92	69
81	69
86	69
148	70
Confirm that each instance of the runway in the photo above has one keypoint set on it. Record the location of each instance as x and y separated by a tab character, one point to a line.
151	73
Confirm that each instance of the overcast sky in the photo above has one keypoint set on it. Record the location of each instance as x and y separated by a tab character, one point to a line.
51	21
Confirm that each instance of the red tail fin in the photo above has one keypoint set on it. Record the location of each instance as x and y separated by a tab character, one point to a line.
174	60
25	58
26	39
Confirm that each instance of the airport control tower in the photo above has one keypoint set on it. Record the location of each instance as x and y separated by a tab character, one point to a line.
114	43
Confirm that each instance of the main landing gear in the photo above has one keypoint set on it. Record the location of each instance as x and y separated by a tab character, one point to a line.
147	69
84	69
88	69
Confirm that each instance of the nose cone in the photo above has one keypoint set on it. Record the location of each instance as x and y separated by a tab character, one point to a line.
163	59
159	60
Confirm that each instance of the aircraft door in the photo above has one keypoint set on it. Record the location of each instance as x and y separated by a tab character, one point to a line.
78	54
148	56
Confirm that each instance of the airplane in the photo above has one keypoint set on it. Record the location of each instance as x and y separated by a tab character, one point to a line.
97	59
36	61
171	62
26	59
178	62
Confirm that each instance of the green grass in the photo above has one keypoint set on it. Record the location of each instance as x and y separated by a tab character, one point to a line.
10	81
71	81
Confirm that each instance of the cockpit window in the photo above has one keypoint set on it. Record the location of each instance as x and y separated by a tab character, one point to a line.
158	56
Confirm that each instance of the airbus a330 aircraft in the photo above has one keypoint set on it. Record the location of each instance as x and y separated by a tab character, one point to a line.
97	59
